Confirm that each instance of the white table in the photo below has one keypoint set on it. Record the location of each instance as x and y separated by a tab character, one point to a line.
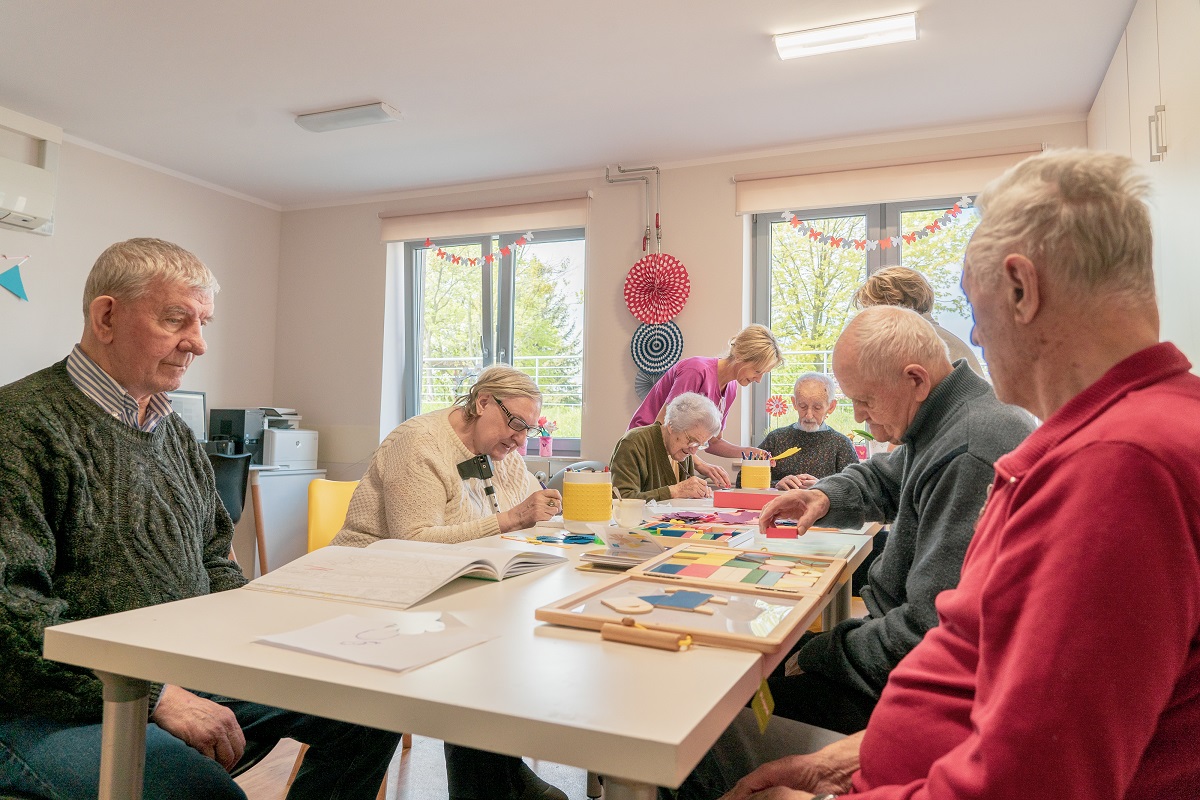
640	717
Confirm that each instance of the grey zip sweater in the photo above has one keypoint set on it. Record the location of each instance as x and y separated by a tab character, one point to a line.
931	489
95	518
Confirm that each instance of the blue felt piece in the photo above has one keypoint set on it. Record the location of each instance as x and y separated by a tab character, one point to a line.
687	600
670	569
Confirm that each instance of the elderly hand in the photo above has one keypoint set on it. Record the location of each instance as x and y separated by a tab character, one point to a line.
210	728
714	473
692	487
537	507
806	506
799	777
802	481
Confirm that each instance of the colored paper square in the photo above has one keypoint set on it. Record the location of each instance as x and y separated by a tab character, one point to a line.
729	575
669	568
742	563
698	570
754	576
770	579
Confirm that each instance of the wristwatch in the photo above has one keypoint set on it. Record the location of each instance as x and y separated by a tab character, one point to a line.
826	796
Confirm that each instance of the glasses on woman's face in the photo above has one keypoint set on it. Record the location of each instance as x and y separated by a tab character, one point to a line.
693	445
516	423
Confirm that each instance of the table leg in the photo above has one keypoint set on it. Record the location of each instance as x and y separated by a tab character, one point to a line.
260	536
838	608
619	789
123	737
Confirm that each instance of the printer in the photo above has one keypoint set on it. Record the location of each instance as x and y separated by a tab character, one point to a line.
242	426
285	444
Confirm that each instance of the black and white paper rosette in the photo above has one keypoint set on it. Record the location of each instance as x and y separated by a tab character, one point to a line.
656	347
643	382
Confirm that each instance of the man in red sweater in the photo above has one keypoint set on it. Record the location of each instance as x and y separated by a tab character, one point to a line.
1066	664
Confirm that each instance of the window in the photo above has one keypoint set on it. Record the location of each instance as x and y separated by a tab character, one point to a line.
524	307
804	288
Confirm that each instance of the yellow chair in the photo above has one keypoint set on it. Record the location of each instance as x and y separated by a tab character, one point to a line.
327	504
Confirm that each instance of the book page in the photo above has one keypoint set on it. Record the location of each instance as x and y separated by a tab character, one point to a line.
500	562
367	575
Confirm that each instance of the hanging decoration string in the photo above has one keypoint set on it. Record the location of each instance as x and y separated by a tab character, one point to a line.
953	216
489	258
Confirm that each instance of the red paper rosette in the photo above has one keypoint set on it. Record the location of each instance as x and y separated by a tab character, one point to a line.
776	405
656	288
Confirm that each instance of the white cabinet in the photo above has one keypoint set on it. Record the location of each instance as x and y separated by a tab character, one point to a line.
284	496
1159	63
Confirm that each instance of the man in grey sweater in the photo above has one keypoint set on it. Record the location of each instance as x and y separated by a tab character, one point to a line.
950	429
107	503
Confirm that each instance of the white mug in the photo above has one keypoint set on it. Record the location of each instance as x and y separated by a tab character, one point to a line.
629	513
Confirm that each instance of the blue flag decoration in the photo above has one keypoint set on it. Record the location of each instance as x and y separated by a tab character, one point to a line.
11	279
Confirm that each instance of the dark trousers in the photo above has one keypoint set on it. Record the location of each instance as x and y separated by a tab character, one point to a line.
816	700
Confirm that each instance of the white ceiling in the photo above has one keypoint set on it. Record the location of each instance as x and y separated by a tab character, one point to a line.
493	90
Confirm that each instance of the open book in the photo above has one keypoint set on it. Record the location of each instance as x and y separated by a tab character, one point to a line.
395	573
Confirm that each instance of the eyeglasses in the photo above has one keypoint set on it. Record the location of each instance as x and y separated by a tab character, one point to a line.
693	445
516	423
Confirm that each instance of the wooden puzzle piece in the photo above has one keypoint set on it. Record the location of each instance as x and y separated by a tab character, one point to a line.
628	605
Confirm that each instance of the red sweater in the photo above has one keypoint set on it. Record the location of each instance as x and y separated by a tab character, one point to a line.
1066	664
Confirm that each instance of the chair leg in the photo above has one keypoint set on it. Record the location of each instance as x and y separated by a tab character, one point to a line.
594	788
406	742
296	766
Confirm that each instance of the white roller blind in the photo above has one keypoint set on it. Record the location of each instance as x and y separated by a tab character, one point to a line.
548	215
859	185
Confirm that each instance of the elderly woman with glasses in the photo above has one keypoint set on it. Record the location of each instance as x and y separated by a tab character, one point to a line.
415	489
425	483
654	462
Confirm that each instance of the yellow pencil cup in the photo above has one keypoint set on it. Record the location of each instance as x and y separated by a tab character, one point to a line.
756	476
587	497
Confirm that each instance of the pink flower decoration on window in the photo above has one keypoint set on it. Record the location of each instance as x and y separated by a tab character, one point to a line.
776	405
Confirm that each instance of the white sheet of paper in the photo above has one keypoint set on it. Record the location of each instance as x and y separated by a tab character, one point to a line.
399	641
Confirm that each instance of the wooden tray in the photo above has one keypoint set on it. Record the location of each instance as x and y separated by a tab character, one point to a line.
706	567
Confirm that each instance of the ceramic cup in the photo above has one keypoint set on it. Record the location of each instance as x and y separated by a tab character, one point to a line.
629	513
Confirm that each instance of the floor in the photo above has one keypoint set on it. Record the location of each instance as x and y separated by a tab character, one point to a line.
415	774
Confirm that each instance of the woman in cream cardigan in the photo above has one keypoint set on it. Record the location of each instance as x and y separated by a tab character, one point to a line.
413	490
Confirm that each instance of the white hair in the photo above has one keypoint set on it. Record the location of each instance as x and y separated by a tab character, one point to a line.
126	269
889	337
821	378
1079	214
689	411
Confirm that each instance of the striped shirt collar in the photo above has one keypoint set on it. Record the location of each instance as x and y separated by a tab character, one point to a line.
104	390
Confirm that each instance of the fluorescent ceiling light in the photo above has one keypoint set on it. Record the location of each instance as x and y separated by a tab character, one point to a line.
347	117
864	33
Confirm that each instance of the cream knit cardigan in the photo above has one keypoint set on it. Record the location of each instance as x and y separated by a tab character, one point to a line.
412	489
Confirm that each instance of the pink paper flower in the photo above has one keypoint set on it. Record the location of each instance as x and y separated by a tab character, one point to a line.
776	405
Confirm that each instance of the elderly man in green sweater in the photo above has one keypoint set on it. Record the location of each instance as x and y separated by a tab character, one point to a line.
108	503
655	462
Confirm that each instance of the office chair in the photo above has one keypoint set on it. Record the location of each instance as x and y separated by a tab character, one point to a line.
579	466
233	476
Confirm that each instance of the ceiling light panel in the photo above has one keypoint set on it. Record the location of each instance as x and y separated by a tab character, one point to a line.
352	117
851	35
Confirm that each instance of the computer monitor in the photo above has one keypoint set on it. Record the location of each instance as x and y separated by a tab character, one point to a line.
192	408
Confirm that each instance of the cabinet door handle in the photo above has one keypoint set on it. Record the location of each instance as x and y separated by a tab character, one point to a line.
1157	143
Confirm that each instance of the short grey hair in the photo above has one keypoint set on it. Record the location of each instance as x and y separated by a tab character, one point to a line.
1081	215
890	337
501	382
127	269
821	378
690	410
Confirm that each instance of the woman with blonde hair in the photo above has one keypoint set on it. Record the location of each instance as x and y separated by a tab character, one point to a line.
752	353
414	489
901	286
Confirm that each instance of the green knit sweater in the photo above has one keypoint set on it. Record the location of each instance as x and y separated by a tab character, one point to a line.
95	518
641	467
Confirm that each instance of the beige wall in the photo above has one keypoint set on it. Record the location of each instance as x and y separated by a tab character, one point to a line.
101	200
332	278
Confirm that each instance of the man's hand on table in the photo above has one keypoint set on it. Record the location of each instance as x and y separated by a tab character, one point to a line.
210	728
806	506
800	777
802	481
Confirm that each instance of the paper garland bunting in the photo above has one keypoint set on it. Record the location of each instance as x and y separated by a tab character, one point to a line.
10	278
472	262
952	216
655	348
656	288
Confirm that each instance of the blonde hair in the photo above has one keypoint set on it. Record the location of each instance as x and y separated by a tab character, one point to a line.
126	269
1080	215
755	345
896	286
889	337
501	382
